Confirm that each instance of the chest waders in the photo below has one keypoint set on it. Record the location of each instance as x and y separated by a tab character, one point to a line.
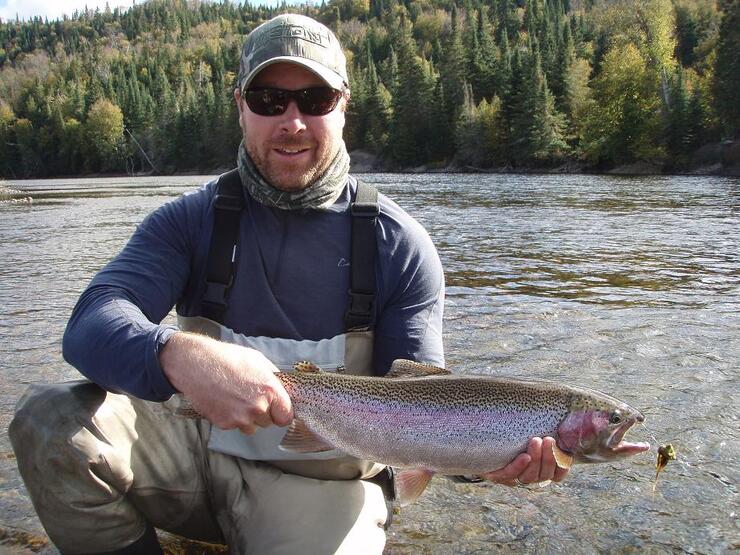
351	350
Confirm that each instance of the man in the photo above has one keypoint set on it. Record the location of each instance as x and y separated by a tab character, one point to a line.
104	467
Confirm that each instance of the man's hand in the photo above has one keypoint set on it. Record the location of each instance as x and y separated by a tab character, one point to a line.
230	385
536	465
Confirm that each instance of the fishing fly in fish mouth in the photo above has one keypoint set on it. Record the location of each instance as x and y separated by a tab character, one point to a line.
424	420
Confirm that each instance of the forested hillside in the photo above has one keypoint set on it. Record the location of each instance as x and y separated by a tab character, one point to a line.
469	83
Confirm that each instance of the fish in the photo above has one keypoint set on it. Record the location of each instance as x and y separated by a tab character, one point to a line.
424	420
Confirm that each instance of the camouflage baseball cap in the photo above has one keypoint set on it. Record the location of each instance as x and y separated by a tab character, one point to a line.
296	39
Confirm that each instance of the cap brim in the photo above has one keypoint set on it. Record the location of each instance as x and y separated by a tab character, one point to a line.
330	77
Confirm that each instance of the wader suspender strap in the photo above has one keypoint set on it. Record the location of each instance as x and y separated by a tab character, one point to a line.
222	252
365	211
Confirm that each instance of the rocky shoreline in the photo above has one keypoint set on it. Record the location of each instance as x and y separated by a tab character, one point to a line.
712	159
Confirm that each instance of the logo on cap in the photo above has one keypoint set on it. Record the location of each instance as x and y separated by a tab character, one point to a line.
292	31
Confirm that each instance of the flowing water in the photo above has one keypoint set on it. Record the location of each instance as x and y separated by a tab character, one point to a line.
627	285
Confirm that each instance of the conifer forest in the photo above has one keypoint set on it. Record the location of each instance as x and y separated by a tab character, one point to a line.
478	84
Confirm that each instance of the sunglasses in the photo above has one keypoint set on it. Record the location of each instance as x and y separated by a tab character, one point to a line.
313	101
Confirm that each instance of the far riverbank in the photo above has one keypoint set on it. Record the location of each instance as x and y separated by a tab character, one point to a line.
716	159
712	159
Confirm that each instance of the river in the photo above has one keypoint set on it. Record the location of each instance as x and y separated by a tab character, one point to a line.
628	285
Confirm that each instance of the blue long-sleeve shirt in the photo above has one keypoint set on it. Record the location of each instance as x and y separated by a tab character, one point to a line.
291	280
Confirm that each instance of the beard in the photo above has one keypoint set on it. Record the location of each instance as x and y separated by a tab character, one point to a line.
287	175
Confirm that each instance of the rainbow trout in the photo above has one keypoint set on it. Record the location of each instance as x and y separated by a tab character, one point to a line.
427	420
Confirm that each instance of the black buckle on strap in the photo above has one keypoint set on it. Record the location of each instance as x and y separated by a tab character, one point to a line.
215	293
365	209
360	303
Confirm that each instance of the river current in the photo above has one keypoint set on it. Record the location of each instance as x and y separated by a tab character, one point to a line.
627	285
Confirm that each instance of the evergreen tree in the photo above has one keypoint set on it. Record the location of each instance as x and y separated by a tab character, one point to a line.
29	161
357	111
682	124
508	19
379	113
514	107
540	126
687	35
479	134
559	78
453	77
484	57
547	131
390	74
470	151
411	123
727	69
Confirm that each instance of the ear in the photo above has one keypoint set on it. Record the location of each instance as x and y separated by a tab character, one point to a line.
345	100
239	105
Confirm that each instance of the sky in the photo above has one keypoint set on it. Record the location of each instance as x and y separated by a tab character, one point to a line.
53	9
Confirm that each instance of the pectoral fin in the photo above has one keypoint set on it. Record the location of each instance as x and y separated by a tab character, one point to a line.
410	484
564	460
302	440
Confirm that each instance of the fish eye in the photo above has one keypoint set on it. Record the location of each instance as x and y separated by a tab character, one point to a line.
615	417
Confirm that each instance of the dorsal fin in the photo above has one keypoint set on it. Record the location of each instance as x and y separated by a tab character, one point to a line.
402	368
306	366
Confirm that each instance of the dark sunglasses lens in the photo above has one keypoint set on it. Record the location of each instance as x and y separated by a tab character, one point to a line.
318	101
267	102
314	101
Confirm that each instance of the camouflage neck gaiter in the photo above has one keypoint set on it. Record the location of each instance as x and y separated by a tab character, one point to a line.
319	195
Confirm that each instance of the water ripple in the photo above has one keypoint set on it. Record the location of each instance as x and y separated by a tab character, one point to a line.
629	285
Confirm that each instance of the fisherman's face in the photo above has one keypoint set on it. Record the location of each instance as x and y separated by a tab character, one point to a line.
291	150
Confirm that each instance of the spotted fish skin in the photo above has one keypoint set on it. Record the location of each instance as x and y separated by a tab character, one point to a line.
456	424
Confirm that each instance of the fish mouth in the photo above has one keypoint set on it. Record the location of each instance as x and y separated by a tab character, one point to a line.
620	448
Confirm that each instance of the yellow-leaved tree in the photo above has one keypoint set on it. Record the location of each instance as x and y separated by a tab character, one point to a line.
623	123
103	133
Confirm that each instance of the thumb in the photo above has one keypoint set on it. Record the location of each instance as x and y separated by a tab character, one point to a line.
281	408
